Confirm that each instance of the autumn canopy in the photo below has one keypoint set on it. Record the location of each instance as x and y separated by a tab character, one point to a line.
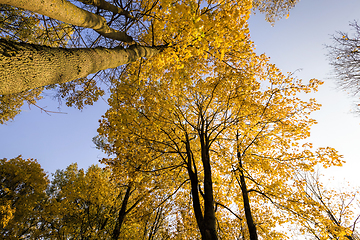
205	138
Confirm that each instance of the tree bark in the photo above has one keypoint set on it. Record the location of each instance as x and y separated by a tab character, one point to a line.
107	6
246	200
245	194
69	13
206	221
122	214
26	66
194	187
209	208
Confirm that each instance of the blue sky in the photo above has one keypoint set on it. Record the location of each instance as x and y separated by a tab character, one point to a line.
299	43
294	43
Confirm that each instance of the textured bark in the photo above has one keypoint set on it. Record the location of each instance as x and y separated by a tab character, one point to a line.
27	66
69	13
107	6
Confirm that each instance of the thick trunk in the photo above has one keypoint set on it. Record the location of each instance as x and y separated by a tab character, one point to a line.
206	221
209	209
69	13
27	66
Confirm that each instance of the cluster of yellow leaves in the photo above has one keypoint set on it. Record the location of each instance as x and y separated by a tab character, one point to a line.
22	187
154	113
76	204
210	81
80	92
6	213
274	10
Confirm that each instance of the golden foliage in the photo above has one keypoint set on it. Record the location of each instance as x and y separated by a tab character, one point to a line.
210	85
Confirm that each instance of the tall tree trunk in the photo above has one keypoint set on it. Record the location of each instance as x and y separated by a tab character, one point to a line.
27	66
69	13
122	214
194	187
209	208
246	200
206	221
245	194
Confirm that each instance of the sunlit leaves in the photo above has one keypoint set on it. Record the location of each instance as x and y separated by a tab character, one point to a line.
81	203
155	115
22	194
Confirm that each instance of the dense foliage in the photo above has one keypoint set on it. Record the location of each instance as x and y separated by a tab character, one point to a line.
206	139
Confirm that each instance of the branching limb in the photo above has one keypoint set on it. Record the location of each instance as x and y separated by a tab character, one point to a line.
102	4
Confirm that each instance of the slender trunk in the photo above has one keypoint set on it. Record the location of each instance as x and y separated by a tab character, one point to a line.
246	200
249	218
156	224
27	66
245	194
194	187
69	13
122	214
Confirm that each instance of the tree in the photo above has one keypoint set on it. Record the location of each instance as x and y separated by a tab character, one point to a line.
229	130
325	213
149	16
143	21
55	65
81	204
19	25
345	58
76	204
22	195
98	205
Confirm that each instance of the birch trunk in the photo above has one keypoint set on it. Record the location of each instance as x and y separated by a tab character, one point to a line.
26	66
69	13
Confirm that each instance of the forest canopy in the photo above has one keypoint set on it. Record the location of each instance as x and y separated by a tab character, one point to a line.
205	139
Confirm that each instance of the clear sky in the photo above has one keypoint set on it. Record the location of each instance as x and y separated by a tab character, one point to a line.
294	43
299	43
